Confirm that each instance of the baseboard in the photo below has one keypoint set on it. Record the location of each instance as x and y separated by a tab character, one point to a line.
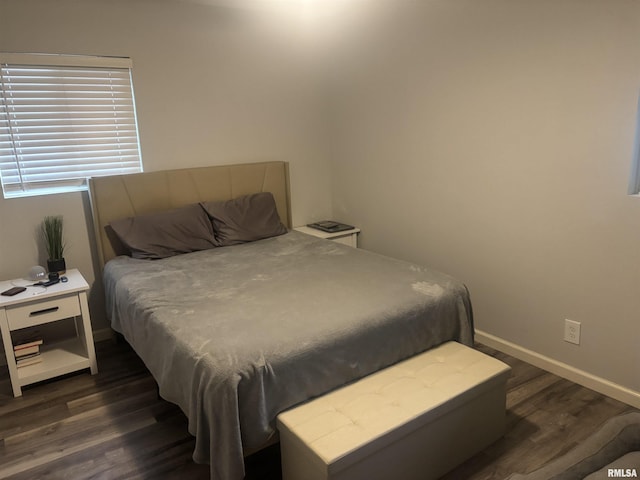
563	370
102	335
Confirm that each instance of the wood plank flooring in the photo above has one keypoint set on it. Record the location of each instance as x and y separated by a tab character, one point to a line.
113	426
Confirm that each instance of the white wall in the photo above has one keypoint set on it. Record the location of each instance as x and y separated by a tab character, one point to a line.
492	140
213	85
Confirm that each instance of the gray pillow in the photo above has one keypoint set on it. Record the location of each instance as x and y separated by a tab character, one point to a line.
244	219
165	234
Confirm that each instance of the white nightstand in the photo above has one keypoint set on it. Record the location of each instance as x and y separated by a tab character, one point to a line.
37	306
346	237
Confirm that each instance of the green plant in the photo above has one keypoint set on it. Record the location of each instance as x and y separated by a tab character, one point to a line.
52	233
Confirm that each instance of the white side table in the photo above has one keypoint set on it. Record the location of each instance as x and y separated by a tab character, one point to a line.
40	305
346	237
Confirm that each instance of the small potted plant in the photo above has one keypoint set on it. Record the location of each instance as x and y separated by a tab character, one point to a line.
54	242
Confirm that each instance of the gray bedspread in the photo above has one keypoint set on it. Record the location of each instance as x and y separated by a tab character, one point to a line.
235	335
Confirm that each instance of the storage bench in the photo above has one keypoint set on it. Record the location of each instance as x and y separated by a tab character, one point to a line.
415	420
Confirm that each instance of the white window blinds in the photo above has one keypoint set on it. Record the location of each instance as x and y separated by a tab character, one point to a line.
63	119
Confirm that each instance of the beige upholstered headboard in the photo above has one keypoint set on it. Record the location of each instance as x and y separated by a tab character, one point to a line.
123	196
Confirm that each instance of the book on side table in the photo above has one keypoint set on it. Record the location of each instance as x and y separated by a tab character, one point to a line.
27	352
330	226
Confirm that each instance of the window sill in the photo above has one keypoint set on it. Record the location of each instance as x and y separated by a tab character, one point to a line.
45	191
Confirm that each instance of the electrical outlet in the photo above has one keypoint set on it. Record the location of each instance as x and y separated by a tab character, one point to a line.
572	331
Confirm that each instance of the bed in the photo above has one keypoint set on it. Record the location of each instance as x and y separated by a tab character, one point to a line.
236	334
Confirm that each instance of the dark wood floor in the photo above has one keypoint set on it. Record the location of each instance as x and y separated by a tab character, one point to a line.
113	426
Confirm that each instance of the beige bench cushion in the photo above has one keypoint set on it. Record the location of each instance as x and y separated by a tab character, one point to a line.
350	423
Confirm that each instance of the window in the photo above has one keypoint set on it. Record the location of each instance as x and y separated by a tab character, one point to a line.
63	119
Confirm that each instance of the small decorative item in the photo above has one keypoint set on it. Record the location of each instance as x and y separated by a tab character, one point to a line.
37	273
54	242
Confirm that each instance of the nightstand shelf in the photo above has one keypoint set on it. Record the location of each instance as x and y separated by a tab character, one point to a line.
39	306
58	359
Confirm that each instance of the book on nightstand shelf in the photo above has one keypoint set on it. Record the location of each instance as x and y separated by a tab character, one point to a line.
29	360
21	352
28	352
27	344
